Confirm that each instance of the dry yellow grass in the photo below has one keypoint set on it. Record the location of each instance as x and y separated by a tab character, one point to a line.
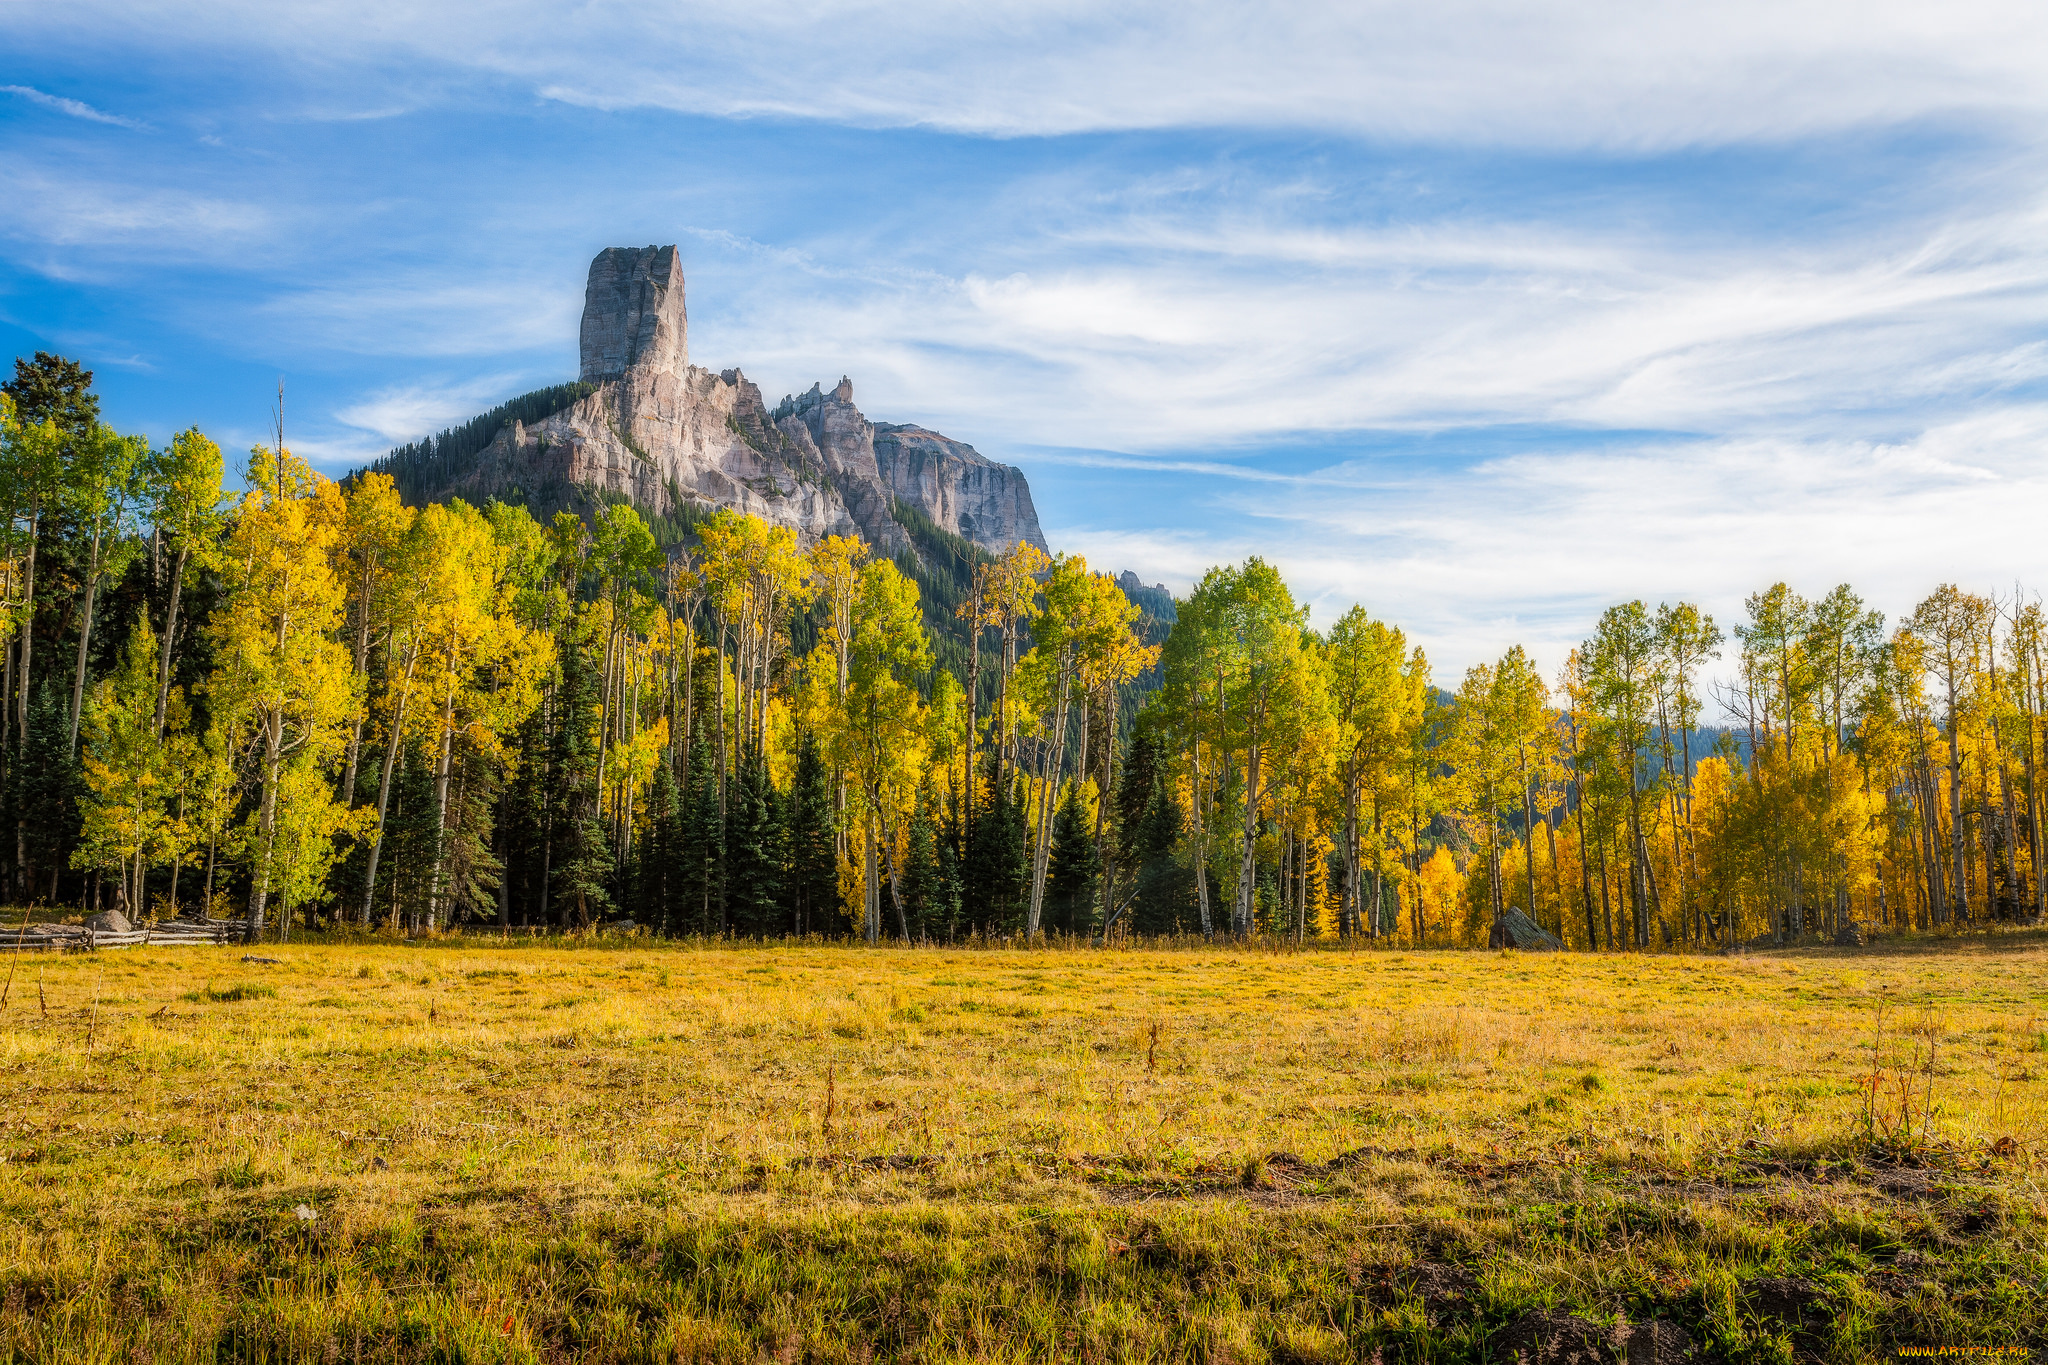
640	1151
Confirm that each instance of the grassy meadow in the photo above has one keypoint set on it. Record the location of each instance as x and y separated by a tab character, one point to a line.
462	1150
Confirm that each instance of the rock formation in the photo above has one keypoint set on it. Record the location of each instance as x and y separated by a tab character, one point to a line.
633	316
675	438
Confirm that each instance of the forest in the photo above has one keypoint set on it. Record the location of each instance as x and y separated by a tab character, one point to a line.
309	704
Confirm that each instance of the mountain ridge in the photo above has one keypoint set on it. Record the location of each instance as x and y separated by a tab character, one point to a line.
679	441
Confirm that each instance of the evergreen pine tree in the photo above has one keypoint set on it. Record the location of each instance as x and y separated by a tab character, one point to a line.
931	888
997	872
47	787
1165	891
1075	867
812	889
525	812
581	849
657	856
473	869
697	846
754	852
406	865
583	881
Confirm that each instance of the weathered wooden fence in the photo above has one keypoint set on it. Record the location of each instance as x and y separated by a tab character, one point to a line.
78	938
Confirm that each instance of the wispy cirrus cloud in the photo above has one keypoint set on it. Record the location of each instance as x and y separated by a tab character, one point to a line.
84	213
400	414
1594	73
1475	553
75	108
1216	333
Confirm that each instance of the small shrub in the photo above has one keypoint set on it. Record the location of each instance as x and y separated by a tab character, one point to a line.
242	1175
247	990
1592	1081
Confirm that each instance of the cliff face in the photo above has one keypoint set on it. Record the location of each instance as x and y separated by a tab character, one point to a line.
669	435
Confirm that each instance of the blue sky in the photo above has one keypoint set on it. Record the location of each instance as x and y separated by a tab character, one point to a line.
1484	315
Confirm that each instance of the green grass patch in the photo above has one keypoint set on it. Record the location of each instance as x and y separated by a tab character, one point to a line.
219	995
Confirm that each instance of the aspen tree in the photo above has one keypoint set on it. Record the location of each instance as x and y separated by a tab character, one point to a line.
1265	691
1046	679
378	524
1621	673
1191	703
1840	633
1484	755
1012	596
1951	623
278	663
880	740
1379	703
1582	760
99	493
1687	639
1522	702
2024	642
835	575
184	482
127	774
1111	656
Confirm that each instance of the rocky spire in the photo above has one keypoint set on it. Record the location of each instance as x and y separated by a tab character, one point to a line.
671	436
633	313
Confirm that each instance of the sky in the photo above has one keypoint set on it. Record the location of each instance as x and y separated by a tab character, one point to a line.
1485	316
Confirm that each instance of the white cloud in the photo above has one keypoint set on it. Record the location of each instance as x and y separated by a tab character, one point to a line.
407	413
1221	332
88	209
1529	549
75	108
1598	73
425	313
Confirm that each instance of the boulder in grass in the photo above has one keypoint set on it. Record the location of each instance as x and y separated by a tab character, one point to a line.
110	922
1517	930
1850	935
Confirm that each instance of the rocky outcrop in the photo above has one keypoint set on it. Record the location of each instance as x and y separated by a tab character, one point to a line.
957	486
1517	930
633	315
675	438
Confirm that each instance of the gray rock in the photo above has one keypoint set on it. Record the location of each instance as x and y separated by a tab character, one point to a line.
633	315
958	487
1517	930
669	435
109	922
